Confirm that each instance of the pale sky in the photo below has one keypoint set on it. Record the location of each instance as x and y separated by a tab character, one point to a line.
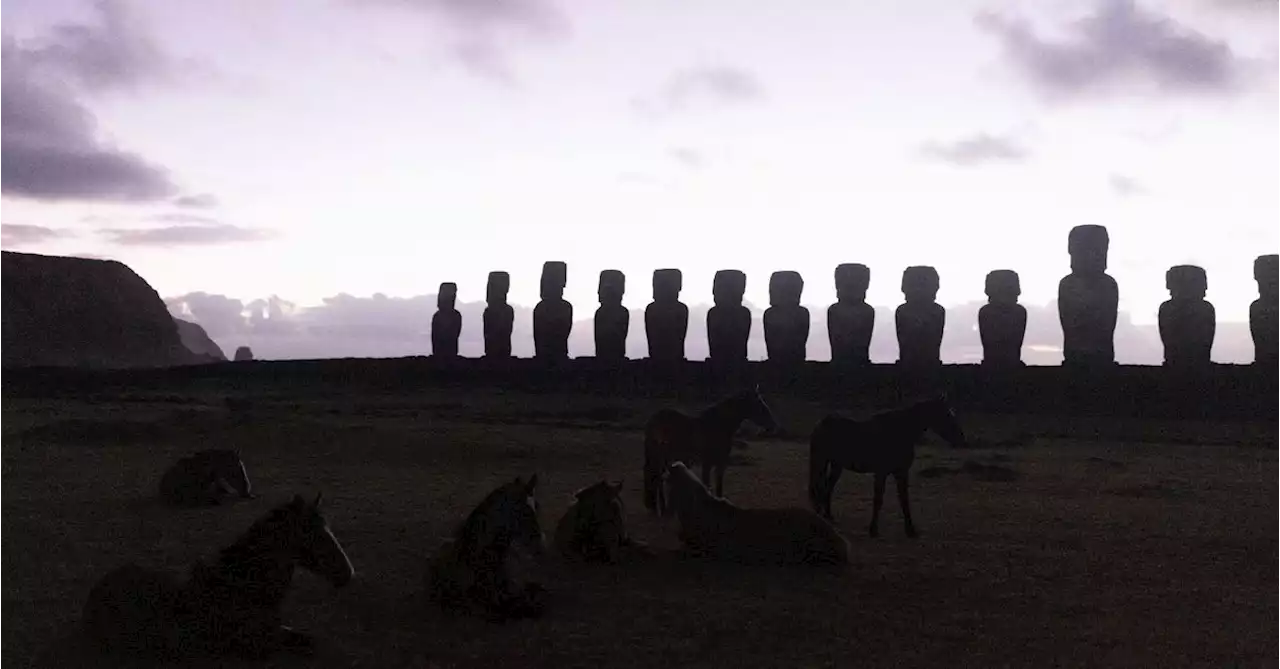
310	148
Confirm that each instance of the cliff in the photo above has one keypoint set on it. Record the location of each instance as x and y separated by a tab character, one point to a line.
197	340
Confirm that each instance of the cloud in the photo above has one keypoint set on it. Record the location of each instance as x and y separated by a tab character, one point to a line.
975	150
715	85
1125	186
13	235
1119	47
184	217
196	201
184	235
690	158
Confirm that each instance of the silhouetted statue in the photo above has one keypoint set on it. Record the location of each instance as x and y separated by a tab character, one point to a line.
446	324
1088	300
1187	320
666	319
1002	322
786	323
920	320
243	354
499	317
553	316
613	320
850	321
1262	313
728	322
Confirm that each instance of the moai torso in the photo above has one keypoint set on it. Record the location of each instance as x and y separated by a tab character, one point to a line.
729	321
666	319
446	324
786	323
850	321
1262	313
612	321
920	320
499	317
1088	300
1002	322
553	315
1187	320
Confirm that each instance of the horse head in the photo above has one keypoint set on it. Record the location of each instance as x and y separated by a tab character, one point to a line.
758	412
941	418
314	545
515	514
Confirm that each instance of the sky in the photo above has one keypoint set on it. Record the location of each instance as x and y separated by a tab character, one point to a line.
325	164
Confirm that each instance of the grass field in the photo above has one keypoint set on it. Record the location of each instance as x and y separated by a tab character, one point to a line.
1076	543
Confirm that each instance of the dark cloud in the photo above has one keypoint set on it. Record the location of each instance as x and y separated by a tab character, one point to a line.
196	201
183	235
1125	186
975	150
690	158
717	85
13	235
115	52
1119	47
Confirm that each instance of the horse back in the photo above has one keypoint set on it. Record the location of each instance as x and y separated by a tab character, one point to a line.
876	444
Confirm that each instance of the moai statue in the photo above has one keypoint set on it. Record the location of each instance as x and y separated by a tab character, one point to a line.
553	316
1088	300
499	317
786	323
920	320
1262	313
243	354
729	321
613	321
666	319
1002	322
1187	320
850	321
446	324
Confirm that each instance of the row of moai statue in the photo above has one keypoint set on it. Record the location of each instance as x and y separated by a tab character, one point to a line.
1088	303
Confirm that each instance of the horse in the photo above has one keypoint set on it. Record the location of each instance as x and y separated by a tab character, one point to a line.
884	445
470	571
231	607
714	527
672	435
594	527
205	478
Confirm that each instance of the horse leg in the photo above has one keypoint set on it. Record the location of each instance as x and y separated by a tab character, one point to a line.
876	504
706	471
834	471
904	500
720	467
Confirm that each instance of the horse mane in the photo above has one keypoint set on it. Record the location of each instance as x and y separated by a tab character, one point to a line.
248	542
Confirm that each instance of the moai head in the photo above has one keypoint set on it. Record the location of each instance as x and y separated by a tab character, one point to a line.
496	289
728	287
785	288
1088	246
613	285
554	277
1003	286
667	284
920	283
1265	273
1186	282
852	280
447	297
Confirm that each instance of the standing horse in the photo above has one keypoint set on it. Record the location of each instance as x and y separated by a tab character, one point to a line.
231	607
884	445
706	438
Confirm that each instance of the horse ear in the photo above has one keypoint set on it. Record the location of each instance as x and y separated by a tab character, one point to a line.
533	483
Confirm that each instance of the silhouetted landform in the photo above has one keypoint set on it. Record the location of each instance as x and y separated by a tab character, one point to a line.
499	317
920	320
666	319
1262	313
851	321
197	341
729	321
553	316
83	312
612	321
1002	322
786	323
1088	300
446	324
244	354
1187	320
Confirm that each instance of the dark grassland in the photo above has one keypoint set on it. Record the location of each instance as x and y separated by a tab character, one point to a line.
1056	542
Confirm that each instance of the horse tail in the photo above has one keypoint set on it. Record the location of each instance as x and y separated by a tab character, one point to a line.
818	462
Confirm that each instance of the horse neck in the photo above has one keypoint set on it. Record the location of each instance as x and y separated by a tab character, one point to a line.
471	544
725	416
255	570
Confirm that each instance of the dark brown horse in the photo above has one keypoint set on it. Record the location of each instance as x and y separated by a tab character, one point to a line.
706	438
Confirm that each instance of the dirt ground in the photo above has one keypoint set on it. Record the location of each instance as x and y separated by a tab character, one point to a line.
1054	543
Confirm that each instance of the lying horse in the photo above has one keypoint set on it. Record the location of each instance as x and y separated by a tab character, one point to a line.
470	571
205	478
714	527
706	438
231	607
884	445
594	528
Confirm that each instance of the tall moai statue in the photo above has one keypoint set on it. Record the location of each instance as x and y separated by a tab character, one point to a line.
1088	300
1187	320
613	321
786	323
1262	313
920	320
446	324
1002	322
553	315
666	319
850	321
729	321
499	317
